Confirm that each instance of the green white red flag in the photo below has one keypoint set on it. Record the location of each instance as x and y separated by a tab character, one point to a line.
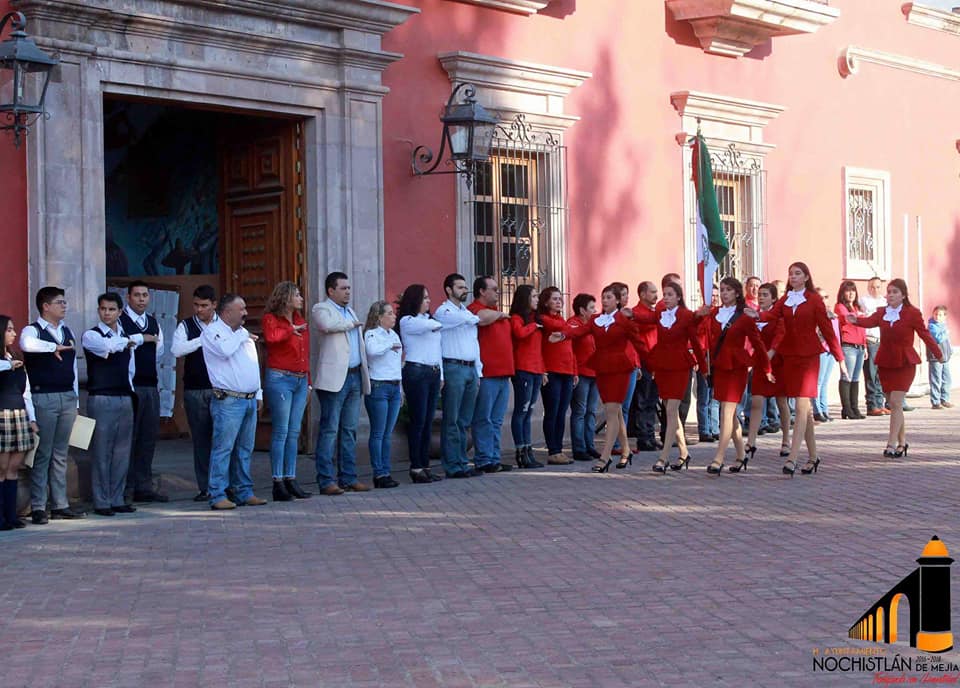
712	243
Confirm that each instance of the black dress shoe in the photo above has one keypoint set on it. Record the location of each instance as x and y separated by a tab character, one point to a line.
458	475
581	456
123	509
293	487
66	514
202	497
103	512
149	496
280	493
39	517
496	468
473	473
421	477
594	454
385	482
433	476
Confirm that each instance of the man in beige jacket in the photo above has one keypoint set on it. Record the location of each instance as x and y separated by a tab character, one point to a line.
340	380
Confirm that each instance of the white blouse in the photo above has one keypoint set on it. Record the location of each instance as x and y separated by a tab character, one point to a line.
794	299
892	315
383	360
668	317
724	313
421	340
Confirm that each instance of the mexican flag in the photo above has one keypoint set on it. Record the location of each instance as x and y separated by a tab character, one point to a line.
712	243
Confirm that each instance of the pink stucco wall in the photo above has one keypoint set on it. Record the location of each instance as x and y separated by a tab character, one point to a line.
625	174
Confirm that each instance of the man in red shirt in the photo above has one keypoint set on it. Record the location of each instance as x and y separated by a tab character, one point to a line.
647	395
496	355
586	397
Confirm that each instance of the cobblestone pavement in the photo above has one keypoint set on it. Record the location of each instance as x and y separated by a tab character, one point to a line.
555	577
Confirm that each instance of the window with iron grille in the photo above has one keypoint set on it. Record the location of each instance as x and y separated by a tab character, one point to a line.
867	226
516	211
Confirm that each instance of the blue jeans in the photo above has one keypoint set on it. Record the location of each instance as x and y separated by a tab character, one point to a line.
583	415
234	432
337	436
459	397
940	381
708	409
492	400
853	357
871	378
557	394
826	367
383	407
771	414
286	396
627	402
421	385
526	391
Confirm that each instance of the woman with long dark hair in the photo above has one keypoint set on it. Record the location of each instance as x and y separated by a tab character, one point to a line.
853	342
18	424
803	312
422	376
672	363
530	372
613	332
561	365
728	365
896	358
762	388
286	335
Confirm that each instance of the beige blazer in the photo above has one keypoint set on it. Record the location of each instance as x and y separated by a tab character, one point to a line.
333	348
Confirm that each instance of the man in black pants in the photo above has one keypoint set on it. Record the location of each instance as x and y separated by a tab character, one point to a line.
646	397
146	421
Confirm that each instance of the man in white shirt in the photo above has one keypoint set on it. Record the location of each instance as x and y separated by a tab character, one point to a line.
461	372
870	302
230	354
110	371
197	390
50	357
146	412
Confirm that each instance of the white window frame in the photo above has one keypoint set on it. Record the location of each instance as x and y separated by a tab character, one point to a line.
878	183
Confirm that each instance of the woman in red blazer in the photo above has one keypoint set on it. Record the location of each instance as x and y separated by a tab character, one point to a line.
803	312
729	364
761	388
561	366
612	332
672	362
528	378
896	358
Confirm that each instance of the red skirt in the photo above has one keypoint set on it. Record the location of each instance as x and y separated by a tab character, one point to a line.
672	384
896	379
613	387
728	385
799	375
761	387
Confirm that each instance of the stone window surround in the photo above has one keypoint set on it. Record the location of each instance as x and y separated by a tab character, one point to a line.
511	87
318	61
723	120
526	7
877	181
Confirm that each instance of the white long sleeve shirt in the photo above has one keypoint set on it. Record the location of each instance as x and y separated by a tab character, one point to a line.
182	345
30	342
116	342
421	340
383	360
870	304
458	338
141	321
231	358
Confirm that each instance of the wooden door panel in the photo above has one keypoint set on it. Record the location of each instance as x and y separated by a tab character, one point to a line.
268	167
256	253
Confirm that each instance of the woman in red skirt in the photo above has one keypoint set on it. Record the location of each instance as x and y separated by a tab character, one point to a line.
803	312
761	388
896	358
612	332
671	362
729	364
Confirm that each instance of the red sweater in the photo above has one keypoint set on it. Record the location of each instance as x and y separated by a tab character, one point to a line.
527	346
285	350
496	345
558	357
583	347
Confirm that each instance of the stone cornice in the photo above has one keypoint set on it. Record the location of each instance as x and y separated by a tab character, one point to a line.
931	18
499	73
849	63
527	7
719	108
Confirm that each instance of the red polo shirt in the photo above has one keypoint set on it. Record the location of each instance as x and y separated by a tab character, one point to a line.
527	342
558	357
496	344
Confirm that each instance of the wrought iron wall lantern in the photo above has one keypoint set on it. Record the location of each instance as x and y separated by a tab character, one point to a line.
21	56
467	129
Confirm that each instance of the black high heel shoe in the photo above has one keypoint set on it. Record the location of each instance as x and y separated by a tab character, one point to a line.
659	467
901	450
602	469
784	450
741	464
811	467
715	468
890	453
681	463
625	461
790	471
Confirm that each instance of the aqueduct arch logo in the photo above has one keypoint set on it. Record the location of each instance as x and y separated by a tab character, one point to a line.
927	590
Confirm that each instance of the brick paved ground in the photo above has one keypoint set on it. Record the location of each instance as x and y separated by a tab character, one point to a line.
548	578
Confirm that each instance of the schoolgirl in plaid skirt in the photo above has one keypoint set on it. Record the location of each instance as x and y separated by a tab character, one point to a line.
17	425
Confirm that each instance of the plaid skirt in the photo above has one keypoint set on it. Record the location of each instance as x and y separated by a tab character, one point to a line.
15	435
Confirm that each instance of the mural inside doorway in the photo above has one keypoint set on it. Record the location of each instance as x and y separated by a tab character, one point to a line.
161	190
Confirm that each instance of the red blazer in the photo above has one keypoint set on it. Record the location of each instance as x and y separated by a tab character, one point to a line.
527	344
558	357
800	338
646	334
733	352
583	346
896	340
772	335
849	333
672	351
612	345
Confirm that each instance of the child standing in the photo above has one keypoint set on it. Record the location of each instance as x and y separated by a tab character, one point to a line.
940	372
